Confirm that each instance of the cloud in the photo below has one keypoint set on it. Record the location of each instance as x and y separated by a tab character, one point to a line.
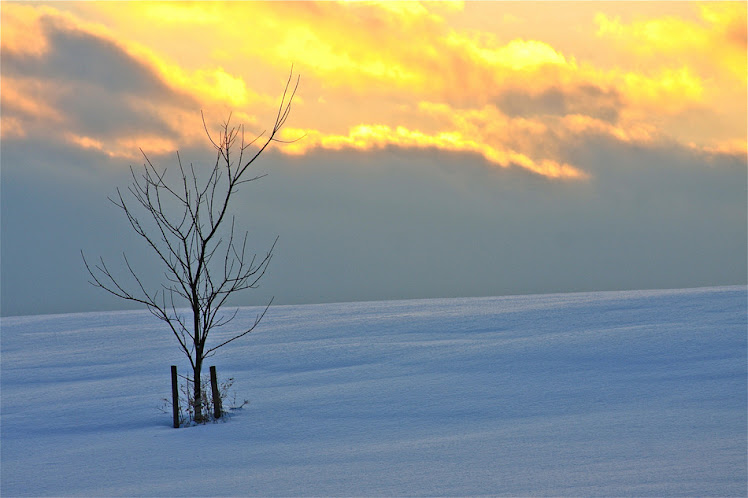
81	88
26	97
103	94
586	100
22	33
366	65
716	41
500	139
371	59
367	137
401	223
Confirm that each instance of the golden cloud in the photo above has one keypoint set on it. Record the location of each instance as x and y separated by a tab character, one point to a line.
669	91
716	42
737	147
368	137
408	74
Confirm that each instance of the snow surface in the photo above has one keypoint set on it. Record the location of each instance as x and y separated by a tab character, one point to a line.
615	393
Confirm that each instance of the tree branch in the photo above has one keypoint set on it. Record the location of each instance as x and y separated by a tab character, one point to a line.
184	225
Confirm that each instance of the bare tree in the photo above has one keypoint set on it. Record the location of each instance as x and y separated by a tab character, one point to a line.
189	227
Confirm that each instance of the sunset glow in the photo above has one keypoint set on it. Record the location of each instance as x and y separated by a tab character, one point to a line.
410	75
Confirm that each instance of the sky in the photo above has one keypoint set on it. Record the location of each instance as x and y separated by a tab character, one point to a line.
444	149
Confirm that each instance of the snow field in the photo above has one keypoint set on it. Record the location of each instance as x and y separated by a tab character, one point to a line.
639	393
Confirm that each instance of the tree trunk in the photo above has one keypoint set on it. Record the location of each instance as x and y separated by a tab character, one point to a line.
197	370
198	392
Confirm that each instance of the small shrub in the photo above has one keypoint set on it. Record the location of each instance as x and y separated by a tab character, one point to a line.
187	411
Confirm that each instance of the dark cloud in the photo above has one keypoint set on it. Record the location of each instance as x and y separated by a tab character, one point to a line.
398	224
77	57
99	112
584	99
447	225
98	88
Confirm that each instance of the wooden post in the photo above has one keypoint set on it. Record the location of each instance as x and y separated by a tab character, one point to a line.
175	396
216	393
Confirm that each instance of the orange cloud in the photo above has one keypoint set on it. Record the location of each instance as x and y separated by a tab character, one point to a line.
735	147
124	147
21	32
11	127
580	125
26	97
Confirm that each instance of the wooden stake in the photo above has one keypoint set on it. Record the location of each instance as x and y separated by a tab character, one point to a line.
216	393
175	396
